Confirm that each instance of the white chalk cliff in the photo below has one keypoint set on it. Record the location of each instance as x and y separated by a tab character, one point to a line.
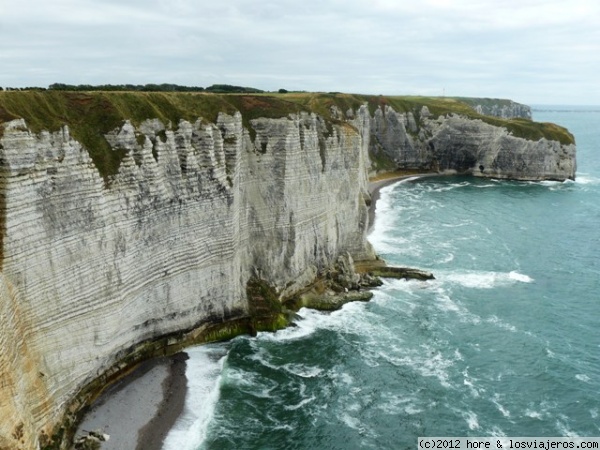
91	269
468	146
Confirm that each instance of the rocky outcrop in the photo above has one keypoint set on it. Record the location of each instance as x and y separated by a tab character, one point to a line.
420	141
202	228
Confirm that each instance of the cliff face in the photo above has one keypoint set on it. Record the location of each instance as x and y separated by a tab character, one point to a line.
509	111
505	109
90	271
93	266
420	141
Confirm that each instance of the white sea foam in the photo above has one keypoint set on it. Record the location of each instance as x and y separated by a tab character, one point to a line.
564	430
249	383
496	432
300	404
358	425
426	361
533	414
501	324
351	422
542	411
548	183
464	223
446	259
505	412
477	280
472	389
484	280
470	383
586	179
484	186
382	220
353	407
445	303
394	404
406	180
447	187
311	320
353	317
411	409
203	372
379	235
341	377
409	287
302	370
583	377
472	420
514	275
262	357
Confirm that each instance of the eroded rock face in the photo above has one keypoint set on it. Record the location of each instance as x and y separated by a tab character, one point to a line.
90	270
455	143
472	146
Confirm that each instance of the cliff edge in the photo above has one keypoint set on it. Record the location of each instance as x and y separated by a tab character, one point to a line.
132	224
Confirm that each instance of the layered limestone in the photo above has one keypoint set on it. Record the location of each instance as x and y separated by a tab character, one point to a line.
454	143
503	109
94	266
89	270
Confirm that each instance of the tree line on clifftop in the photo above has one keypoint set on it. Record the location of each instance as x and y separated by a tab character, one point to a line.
164	87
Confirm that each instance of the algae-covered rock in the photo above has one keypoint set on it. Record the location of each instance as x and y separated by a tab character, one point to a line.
332	302
403	273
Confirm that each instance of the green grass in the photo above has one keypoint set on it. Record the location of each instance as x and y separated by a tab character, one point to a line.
90	115
524	128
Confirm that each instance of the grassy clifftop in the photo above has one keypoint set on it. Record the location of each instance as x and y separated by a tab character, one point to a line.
90	115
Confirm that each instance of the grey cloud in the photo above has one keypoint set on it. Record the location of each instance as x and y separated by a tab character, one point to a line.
532	51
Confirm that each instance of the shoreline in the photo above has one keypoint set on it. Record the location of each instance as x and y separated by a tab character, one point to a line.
139	411
153	434
376	185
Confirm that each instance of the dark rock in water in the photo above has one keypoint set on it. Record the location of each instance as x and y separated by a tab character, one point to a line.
402	272
332	302
92	441
368	280
372	270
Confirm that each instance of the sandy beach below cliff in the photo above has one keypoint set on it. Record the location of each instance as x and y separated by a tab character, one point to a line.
138	411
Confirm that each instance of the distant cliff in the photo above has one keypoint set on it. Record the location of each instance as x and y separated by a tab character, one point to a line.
421	141
505	109
134	223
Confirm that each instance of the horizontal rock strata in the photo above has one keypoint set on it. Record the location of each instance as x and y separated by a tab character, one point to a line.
420	141
90	270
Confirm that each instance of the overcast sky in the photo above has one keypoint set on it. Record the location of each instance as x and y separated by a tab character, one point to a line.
531	51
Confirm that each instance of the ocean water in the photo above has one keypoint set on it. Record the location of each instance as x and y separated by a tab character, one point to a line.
505	341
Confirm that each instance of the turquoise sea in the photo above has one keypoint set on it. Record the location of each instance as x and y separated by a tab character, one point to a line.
505	342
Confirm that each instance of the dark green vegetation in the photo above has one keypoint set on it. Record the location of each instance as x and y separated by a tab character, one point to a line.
90	115
266	312
164	87
489	102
